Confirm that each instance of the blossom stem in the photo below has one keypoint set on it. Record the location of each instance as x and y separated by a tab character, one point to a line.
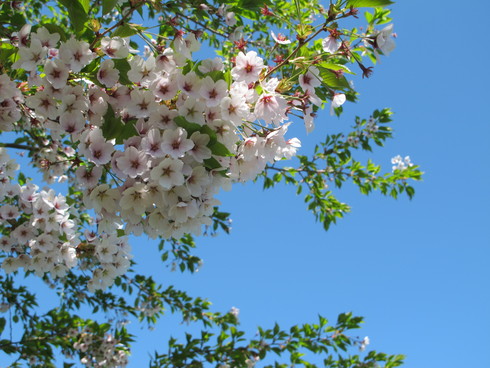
202	25
17	146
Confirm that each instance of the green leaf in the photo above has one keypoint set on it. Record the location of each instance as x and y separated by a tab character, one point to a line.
76	12
2	324
107	6
212	163
6	51
17	20
330	79
124	31
334	66
212	134
113	127
123	66
368	3
85	4
219	149
216	75
188	126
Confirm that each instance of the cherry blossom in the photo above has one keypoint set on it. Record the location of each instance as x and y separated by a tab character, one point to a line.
247	67
337	101
280	38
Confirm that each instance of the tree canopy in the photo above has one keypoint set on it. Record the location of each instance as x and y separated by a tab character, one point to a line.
133	116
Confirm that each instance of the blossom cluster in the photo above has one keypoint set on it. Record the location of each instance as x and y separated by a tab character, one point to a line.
400	163
99	351
194	128
149	140
41	225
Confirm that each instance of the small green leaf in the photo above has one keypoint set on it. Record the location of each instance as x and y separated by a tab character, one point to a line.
113	127
107	6
216	75
76	12
188	126
2	324
85	4
368	3
123	66
330	79
219	149
336	67
212	163
124	31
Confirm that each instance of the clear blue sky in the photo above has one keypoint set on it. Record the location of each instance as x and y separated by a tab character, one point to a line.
418	271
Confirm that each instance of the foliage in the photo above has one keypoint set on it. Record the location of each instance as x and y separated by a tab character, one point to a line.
143	142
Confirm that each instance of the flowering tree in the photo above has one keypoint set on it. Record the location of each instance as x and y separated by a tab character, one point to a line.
107	99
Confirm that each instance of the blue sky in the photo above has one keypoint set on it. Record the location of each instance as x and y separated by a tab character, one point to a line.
418	271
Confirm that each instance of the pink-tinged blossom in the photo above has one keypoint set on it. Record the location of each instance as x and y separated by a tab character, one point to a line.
225	132
186	46
151	143
213	92
308	120
400	163
163	118
251	148
8	88
384	40
135	199
175	142
100	152
337	101
168	173
234	109
310	80
97	101
331	44
22	37
48	40
30	57
120	97
71	103
212	113
280	39
190	84
9	212
165	62
241	89
142	103
115	47
292	146
183	211
72	122
164	87
76	54
107	74
56	72
43	104
271	108
200	150
142	71
193	111
211	65
247	67
88	177
103	197
133	163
